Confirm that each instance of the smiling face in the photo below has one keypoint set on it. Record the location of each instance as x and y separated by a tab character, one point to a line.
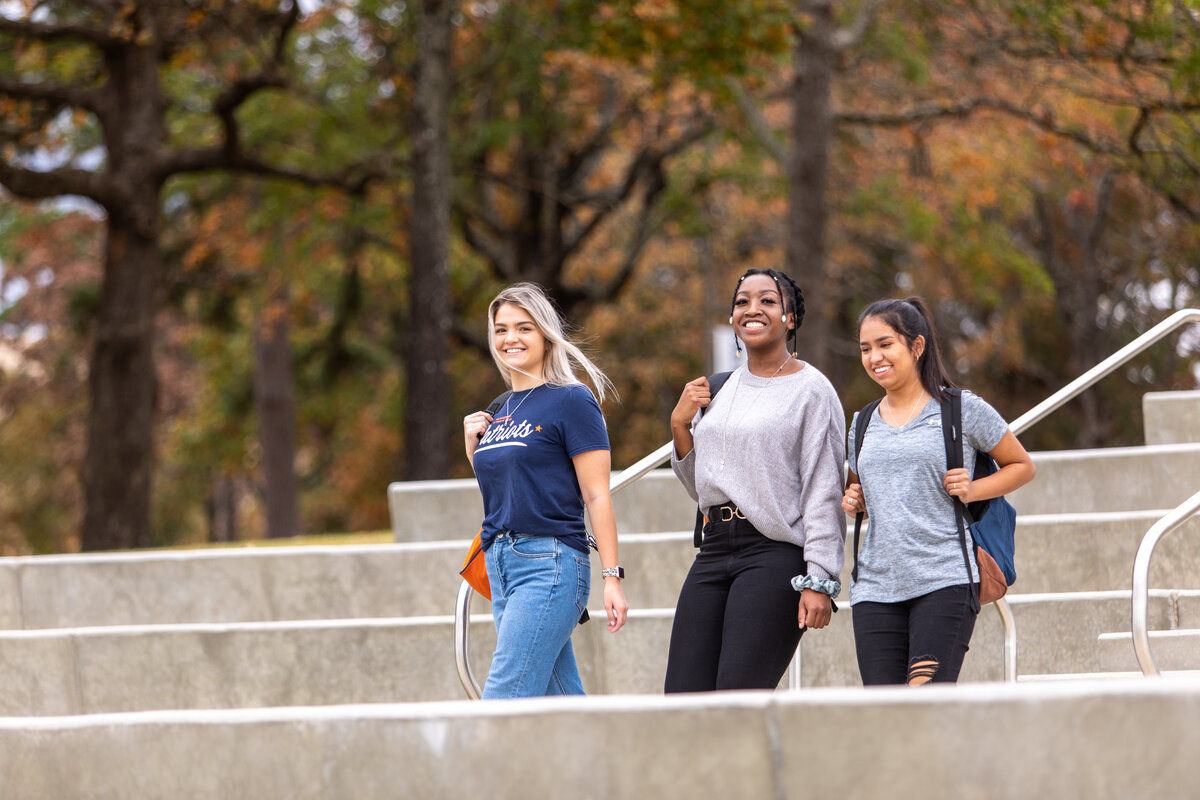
886	357
758	312
518	340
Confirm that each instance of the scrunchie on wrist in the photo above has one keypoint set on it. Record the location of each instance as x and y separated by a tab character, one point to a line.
823	585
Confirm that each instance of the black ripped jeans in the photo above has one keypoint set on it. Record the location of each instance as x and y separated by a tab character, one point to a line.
736	620
893	638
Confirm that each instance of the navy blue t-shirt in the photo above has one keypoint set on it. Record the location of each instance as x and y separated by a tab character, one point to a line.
523	463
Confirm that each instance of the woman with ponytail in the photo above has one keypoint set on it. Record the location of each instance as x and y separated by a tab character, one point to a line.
540	462
765	463
911	595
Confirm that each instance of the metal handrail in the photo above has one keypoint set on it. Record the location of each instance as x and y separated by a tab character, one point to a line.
1141	579
1103	369
1018	426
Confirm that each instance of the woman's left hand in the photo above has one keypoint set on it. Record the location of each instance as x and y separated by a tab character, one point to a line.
614	604
957	483
815	611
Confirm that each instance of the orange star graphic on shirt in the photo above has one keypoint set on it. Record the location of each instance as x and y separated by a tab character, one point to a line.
538	429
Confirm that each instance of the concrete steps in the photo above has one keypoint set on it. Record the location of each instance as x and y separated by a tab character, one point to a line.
1095	739
327	662
1055	553
291	672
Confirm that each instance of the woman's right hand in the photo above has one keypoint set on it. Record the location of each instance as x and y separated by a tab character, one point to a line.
853	501
474	426
695	397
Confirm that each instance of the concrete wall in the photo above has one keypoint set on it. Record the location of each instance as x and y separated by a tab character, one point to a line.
1069	481
1110	479
432	510
1091	739
249	665
1055	553
1171	417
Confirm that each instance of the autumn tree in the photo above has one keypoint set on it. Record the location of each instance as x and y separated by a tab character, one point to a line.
111	83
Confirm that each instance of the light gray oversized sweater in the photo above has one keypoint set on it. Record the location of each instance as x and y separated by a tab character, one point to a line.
783	444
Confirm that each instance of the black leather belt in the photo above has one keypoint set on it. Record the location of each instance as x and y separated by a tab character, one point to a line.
725	513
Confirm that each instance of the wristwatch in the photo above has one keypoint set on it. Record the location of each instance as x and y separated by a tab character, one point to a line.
613	572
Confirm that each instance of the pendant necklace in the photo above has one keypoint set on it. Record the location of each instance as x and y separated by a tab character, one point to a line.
733	401
507	416
911	411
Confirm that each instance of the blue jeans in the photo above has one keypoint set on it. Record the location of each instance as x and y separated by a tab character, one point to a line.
539	590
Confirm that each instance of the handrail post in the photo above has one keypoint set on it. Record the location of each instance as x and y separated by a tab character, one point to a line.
462	641
1010	639
1140	599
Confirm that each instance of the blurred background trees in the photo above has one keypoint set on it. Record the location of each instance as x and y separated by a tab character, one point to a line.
271	301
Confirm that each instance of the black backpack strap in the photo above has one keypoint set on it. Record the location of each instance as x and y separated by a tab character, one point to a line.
952	436
860	430
715	382
494	406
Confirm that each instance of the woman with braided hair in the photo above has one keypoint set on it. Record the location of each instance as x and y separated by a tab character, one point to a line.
764	459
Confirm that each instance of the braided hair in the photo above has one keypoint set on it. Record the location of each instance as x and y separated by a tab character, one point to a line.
789	293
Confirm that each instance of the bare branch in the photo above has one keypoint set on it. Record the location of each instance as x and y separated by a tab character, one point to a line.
50	92
921	113
490	250
853	34
35	185
90	34
758	123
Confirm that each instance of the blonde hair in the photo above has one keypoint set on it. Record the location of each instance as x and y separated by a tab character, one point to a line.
562	355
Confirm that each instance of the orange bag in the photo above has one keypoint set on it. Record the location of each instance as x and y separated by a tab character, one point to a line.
474	568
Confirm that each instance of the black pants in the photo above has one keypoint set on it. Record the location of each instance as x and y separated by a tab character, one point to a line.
927	636
735	623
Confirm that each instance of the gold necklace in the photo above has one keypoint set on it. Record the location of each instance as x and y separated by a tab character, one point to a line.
911	411
509	416
733	401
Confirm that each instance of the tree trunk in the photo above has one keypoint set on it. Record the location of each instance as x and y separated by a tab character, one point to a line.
426	349
119	464
808	211
222	509
276	407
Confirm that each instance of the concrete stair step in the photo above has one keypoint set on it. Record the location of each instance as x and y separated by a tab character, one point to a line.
1172	650
1056	733
1186	674
321	662
1055	553
1110	479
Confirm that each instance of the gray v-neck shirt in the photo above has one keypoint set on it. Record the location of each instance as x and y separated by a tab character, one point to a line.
910	544
782	443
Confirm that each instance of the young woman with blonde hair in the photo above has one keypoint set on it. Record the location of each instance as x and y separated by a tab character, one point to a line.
540	461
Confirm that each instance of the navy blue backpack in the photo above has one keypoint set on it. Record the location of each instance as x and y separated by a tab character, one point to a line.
993	522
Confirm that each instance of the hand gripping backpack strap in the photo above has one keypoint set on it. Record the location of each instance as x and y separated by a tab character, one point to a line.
952	437
860	430
715	382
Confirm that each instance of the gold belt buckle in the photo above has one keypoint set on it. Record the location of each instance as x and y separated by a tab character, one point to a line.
727	513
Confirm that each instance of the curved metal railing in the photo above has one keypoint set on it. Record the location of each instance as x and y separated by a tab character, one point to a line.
1103	369
1018	426
1141	579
